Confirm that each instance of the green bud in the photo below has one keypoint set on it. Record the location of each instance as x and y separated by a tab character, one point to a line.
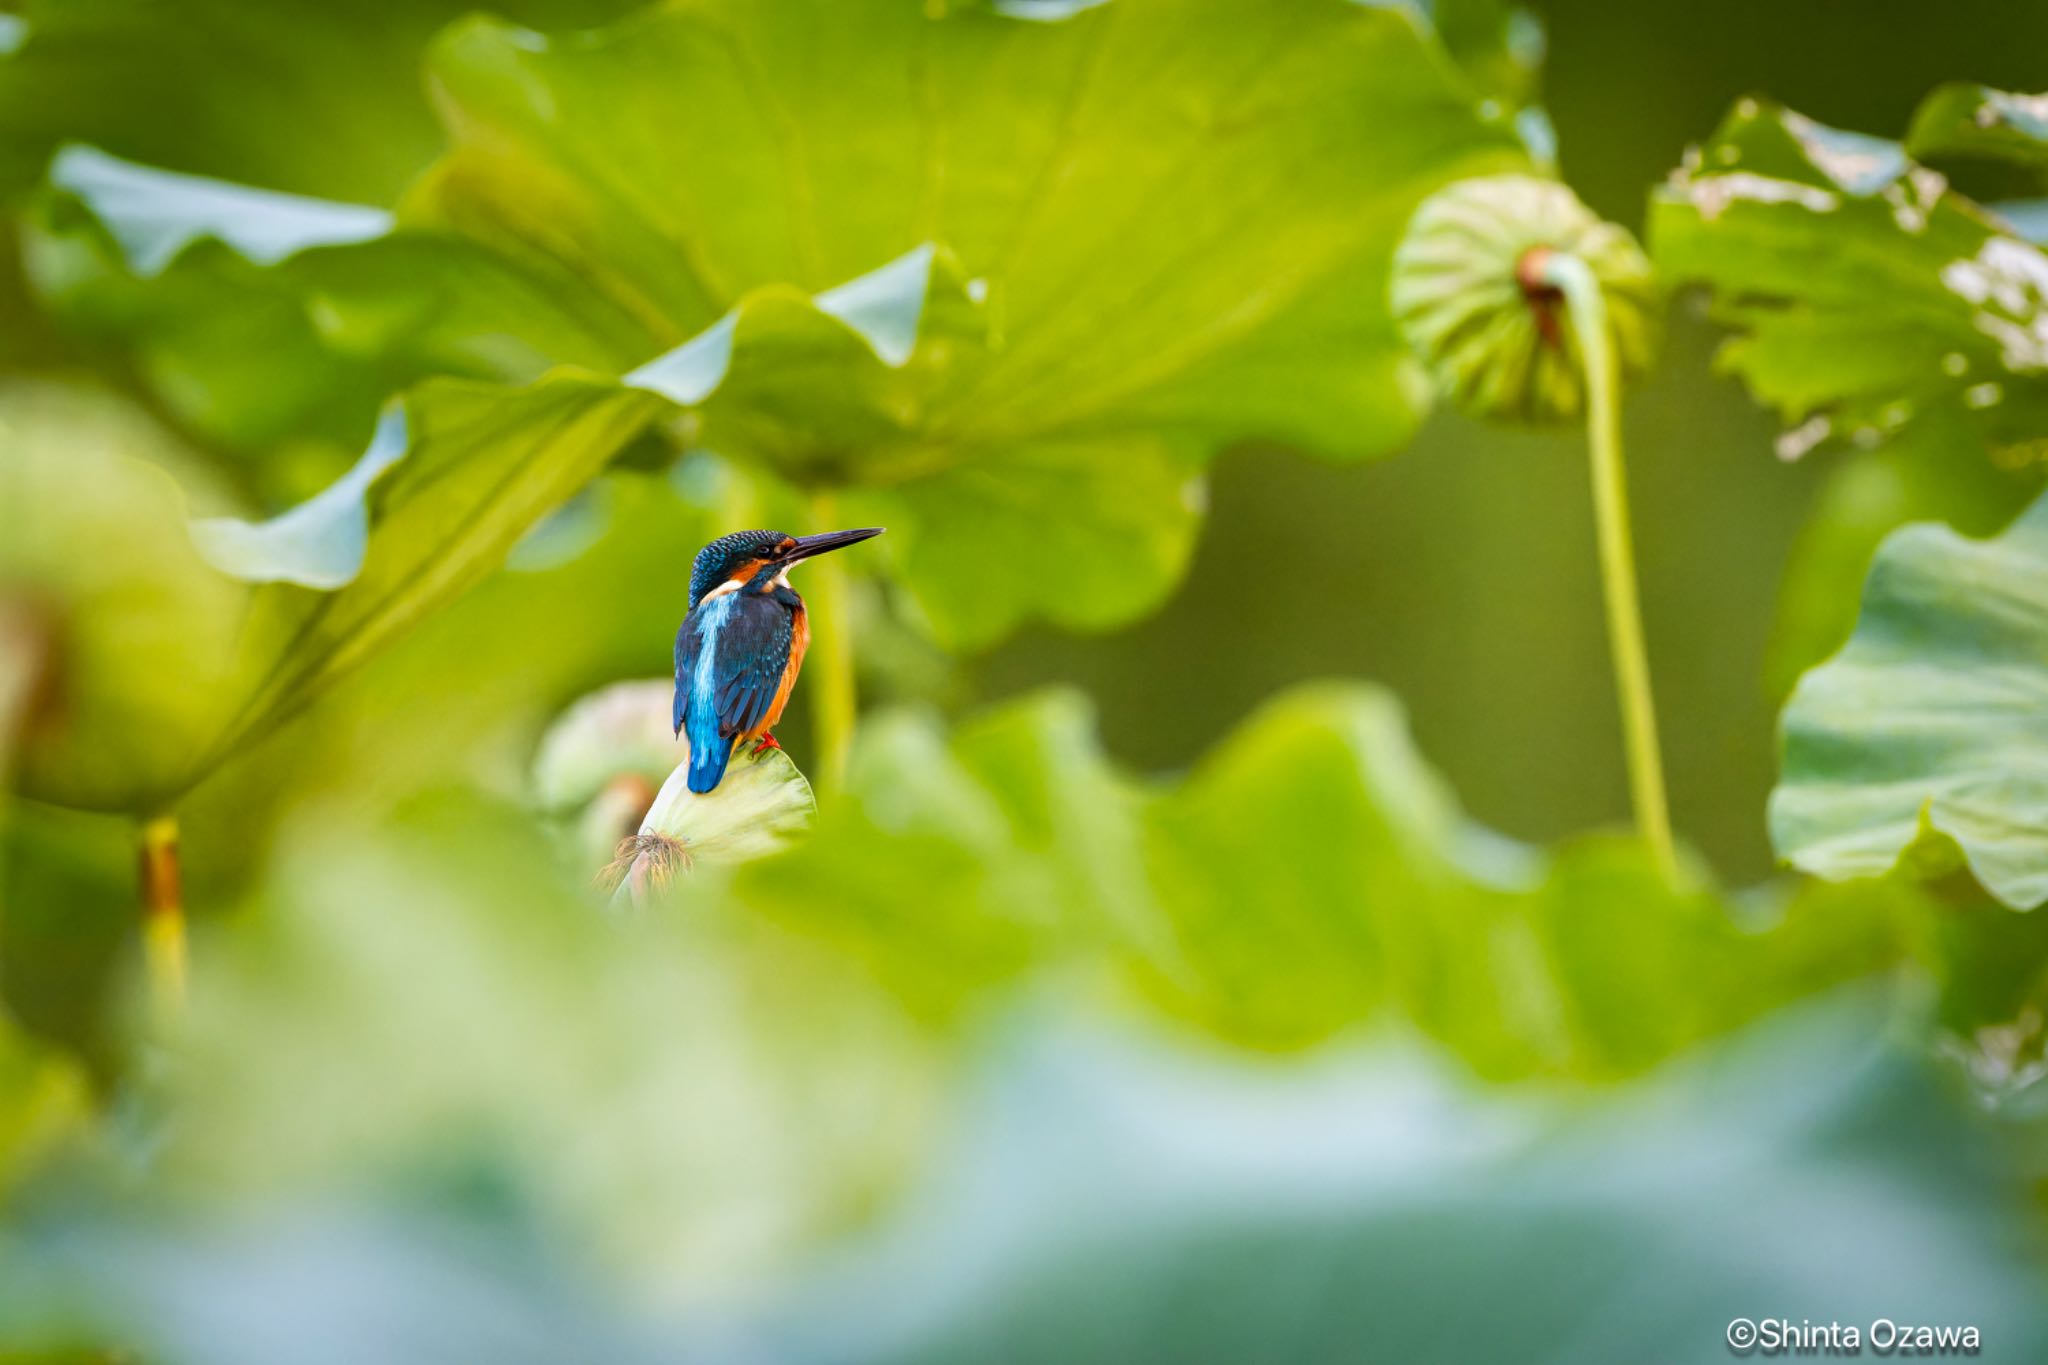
1471	296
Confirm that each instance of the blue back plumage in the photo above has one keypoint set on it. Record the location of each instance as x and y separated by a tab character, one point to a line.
697	688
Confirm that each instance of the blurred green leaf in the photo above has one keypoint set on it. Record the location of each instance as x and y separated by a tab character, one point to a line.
435	506
1318	873
1310	876
167	666
1990	970
139	630
1931	718
1106	1197
1914	477
1087	534
1109	1201
44	1102
1022	279
296	95
694	1095
1960	119
1869	296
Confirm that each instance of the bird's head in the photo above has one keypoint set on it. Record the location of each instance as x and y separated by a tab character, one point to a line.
741	555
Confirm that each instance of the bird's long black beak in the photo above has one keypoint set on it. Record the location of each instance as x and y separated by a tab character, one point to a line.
806	546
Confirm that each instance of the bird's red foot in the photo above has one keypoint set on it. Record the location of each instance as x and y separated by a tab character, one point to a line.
764	744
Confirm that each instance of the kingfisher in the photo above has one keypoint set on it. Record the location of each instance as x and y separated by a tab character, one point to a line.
740	647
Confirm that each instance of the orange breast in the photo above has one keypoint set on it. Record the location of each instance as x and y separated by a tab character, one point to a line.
799	641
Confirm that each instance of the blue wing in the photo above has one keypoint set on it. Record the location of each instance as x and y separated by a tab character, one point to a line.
730	656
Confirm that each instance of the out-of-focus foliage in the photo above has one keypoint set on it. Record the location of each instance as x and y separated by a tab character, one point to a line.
690	174
1881	306
955	864
165	665
43	1098
1934	718
1871	298
1001	276
693	1095
298	95
1107	1193
1967	120
1127	1194
138	629
1878	309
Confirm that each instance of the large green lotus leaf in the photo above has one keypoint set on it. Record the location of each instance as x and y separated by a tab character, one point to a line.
1148	189
247	317
1933	717
1086	533
457	475
304	95
1869	295
1136	220
1311	875
177	644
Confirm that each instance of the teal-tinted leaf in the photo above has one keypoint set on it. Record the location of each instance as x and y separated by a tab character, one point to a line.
1110	1202
1870	296
321	542
1935	716
1960	119
155	214
1110	1199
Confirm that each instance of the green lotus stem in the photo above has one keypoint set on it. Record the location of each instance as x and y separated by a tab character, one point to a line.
1587	307
834	703
163	915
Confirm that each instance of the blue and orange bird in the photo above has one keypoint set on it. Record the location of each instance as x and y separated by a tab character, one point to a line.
740	647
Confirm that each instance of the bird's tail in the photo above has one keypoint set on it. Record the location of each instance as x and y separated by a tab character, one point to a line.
707	762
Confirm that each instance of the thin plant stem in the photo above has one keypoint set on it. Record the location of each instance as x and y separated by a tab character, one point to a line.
163	915
1587	308
829	674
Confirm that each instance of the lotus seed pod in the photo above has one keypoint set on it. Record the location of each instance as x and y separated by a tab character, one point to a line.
1470	295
